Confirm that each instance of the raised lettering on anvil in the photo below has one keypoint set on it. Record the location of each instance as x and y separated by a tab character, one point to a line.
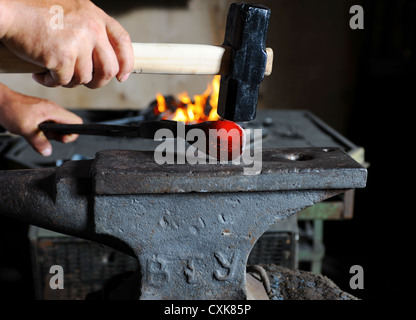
227	263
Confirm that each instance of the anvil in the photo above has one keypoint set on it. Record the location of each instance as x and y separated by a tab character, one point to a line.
191	227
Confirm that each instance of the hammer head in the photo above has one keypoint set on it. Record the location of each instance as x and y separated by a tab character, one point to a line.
246	34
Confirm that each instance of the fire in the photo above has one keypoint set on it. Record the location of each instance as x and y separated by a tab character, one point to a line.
202	108
161	103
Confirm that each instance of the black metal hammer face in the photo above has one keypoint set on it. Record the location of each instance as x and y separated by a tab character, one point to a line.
190	227
246	34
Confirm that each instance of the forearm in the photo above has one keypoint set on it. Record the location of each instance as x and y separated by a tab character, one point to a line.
3	93
5	17
6	105
4	97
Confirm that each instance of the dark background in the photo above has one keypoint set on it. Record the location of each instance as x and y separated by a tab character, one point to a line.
381	121
361	82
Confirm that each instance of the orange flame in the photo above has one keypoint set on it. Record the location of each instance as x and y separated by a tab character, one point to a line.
193	111
161	103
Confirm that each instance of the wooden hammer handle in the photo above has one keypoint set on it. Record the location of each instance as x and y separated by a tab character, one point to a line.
155	58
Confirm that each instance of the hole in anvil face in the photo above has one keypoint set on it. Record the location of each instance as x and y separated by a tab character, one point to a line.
293	157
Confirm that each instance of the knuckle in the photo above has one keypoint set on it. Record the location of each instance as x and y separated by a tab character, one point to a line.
67	57
124	37
86	78
65	80
92	27
49	61
110	71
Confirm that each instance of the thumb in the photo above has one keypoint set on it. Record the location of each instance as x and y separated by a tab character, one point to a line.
40	143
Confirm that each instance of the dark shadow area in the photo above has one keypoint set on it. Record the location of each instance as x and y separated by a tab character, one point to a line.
128	5
380	122
16	281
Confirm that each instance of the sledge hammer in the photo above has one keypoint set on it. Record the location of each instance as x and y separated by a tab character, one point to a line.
245	33
242	61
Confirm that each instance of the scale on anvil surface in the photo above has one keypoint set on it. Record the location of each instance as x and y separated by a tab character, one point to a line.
83	259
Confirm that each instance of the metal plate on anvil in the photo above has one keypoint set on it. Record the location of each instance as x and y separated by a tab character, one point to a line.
117	172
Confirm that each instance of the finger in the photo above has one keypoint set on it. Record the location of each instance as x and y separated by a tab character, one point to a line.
58	114
68	138
61	115
40	143
52	79
105	65
59	73
64	138
83	72
59	77
120	40
40	78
